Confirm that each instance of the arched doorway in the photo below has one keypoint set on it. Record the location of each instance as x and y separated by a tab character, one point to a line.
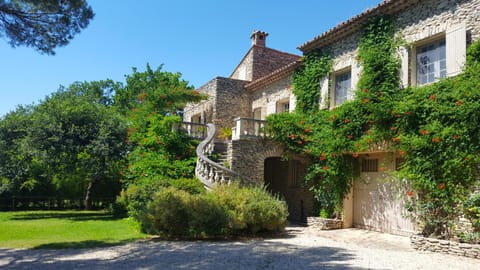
286	178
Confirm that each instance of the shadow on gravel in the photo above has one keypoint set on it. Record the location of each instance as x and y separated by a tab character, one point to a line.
83	244
183	255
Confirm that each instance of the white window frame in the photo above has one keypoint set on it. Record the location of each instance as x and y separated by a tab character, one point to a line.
283	105
348	92
431	58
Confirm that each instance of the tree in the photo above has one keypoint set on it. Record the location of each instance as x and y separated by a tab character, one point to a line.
72	144
81	140
43	24
151	100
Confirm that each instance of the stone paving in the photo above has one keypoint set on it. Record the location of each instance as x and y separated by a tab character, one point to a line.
299	248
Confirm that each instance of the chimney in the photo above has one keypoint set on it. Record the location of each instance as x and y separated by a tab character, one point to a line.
259	38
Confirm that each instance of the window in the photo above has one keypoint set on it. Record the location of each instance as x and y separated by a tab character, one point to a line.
343	87
283	106
370	165
431	62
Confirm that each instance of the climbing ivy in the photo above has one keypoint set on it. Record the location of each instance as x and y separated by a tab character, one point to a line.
435	128
306	80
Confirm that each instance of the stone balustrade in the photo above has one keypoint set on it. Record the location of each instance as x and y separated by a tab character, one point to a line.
195	130
248	127
209	172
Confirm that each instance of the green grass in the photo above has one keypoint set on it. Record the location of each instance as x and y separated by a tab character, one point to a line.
65	229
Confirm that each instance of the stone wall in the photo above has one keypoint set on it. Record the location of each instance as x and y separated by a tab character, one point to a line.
244	70
267	97
231	102
324	223
203	108
444	246
227	99
430	17
247	157
425	19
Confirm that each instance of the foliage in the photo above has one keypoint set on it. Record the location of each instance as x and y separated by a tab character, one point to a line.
471	210
227	210
65	229
250	209
70	145
135	198
225	133
158	146
306	80
43	24
434	128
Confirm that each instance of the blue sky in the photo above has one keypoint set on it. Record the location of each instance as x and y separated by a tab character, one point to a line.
200	39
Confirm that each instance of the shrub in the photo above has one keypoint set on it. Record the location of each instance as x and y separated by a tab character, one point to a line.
136	197
251	210
227	210
168	213
207	217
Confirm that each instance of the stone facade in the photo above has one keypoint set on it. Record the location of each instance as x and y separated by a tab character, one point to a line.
250	158
444	246
431	17
231	97
266	98
225	96
247	156
261	82
261	61
203	109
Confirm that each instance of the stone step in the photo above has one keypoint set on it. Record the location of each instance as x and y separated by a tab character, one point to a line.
220	147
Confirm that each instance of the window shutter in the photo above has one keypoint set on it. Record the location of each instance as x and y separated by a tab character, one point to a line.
324	93
293	102
456	48
271	108
355	69
403	53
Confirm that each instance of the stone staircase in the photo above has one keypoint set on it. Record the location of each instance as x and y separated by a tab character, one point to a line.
211	172
220	154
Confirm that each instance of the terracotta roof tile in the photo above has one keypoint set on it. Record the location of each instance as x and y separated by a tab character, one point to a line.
274	76
347	27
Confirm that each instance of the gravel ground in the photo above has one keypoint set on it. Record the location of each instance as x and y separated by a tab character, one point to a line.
300	248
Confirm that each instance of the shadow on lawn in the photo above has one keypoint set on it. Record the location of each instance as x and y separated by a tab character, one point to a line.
71	215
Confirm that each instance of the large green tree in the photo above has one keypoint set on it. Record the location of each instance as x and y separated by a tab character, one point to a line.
72	144
43	24
151	100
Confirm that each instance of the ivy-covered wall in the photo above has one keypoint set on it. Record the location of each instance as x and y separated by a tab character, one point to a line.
435	128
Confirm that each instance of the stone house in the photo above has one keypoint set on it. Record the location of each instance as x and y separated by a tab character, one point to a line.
437	33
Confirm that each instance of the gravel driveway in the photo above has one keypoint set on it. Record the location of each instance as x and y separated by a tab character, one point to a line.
301	248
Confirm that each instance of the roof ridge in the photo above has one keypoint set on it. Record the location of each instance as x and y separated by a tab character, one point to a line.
387	6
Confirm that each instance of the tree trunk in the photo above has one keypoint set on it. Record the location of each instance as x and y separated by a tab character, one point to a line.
93	180
88	195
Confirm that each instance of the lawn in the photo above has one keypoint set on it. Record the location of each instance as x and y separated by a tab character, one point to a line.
65	229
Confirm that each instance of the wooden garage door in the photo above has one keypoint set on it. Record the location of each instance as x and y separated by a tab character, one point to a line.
376	205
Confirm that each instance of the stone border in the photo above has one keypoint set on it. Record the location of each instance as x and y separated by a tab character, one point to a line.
421	243
324	223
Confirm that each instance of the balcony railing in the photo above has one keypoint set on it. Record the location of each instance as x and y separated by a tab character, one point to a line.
195	130
248	127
